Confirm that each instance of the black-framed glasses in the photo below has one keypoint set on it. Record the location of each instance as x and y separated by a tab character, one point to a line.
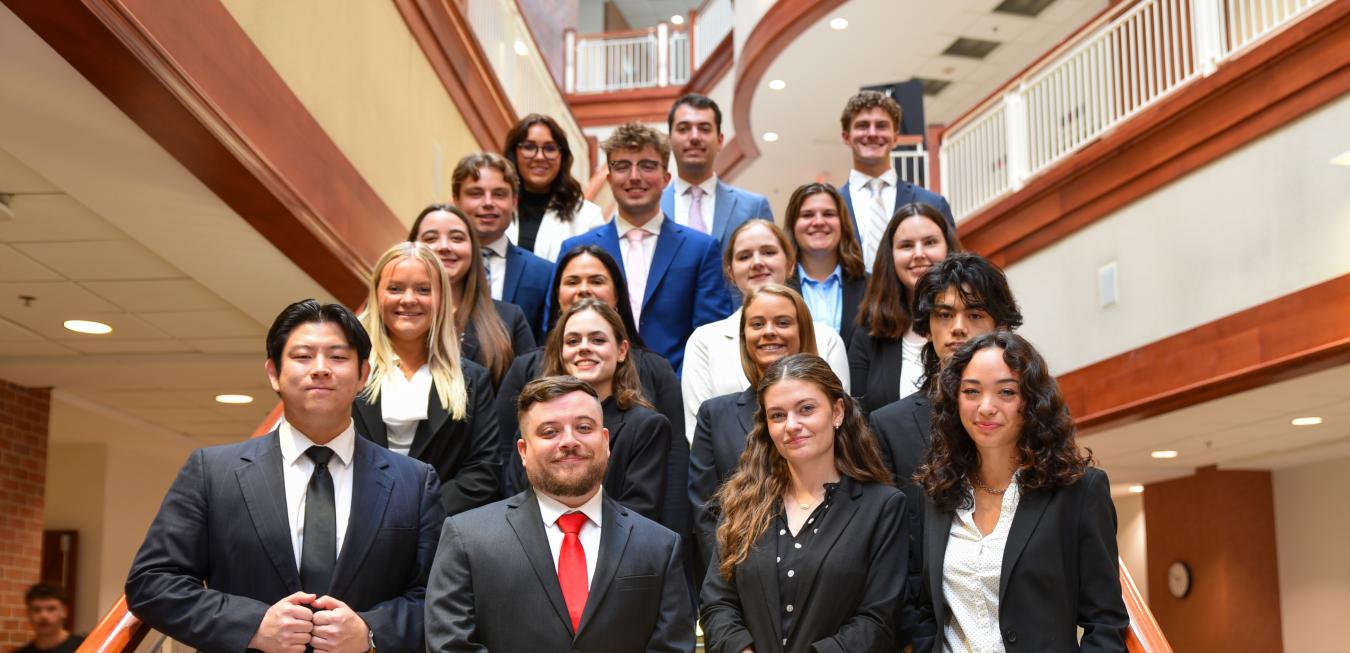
645	166
529	149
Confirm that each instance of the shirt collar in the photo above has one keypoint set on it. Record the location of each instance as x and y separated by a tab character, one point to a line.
551	509
294	443
653	226
833	277
858	179
709	186
499	246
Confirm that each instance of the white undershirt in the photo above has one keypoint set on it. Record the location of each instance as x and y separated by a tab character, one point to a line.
971	573
403	404
296	469
551	509
911	369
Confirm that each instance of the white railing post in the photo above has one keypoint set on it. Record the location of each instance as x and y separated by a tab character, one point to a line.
1018	138
662	54
1207	17
570	54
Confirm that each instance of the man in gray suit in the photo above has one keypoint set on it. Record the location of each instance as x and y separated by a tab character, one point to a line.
561	567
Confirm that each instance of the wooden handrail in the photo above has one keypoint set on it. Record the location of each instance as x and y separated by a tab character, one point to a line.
120	631
1144	635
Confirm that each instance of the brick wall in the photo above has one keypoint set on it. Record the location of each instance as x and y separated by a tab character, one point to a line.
23	468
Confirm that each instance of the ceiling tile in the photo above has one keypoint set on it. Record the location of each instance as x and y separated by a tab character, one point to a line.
51	297
238	430
157	346
33	348
12	331
228	345
14	266
101	260
206	324
165	295
15	177
50	325
998	27
54	218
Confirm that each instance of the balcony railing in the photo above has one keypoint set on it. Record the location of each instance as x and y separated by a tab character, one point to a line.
623	61
1110	72
712	23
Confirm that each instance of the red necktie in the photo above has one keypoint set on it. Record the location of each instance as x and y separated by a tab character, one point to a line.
572	567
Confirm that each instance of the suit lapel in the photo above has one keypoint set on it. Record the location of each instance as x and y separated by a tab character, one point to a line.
852	215
765	567
922	421
528	524
937	528
608	238
514	266
372	421
745	411
429	427
1030	507
668	199
264	488
614	535
672	236
843	507
722	210
371	486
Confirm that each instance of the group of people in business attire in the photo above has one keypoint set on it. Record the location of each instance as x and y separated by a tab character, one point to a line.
551	431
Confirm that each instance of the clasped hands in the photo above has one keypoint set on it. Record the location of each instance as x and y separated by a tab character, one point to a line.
321	622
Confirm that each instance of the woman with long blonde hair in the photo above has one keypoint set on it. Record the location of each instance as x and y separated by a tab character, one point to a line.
423	399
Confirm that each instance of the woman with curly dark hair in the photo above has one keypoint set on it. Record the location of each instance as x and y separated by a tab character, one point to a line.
1019	530
552	208
812	543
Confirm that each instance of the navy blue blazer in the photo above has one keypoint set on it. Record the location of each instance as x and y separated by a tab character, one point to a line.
905	193
731	207
223	522
526	285
685	288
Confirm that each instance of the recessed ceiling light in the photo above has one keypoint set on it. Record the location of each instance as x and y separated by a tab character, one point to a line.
839	23
677	19
522	49
1136	489
87	326
1306	421
1342	160
777	84
1164	453
234	399
770	137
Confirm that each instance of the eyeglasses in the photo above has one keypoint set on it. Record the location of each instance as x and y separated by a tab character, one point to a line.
530	149
645	166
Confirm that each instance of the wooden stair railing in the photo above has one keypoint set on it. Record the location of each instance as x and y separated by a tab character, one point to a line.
1144	635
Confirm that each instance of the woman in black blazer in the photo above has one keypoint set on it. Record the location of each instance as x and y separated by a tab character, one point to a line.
591	344
422	398
885	355
490	332
821	232
812	541
1019	530
775	322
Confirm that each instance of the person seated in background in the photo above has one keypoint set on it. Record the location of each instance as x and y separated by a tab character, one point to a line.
961	297
830	274
757	254
674	284
591	344
696	198
485	186
551	207
309	537
424	399
48	608
561	566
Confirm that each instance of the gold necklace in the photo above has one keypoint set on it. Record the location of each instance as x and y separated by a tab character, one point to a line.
979	485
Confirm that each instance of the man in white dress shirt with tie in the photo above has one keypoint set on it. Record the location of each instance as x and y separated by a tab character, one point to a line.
561	566
871	130
697	198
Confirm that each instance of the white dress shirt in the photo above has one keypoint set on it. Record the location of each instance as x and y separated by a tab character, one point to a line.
497	265
652	227
911	367
683	198
296	469
971	573
712	363
551	509
859	192
403	404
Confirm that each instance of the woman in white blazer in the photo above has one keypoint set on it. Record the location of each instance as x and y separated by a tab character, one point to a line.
551	207
758	252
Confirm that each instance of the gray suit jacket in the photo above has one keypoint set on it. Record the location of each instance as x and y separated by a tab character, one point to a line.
494	586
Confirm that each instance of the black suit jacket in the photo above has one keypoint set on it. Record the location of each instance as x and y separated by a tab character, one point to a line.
463	452
659	385
853	290
902	431
850	583
526	285
494	586
224	522
874	369
1060	571
719	438
517	327
639	443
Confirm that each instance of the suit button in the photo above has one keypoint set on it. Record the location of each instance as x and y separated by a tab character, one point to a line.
1011	636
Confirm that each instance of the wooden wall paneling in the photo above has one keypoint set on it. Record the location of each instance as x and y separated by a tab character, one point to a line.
641	105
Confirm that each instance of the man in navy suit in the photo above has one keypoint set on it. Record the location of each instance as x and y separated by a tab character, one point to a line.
308	537
871	129
673	272
486	187
697	198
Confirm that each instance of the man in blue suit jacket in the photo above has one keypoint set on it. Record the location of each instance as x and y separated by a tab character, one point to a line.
309	537
871	129
486	187
695	124
673	272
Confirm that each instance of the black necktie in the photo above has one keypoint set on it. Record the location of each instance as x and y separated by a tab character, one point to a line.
319	551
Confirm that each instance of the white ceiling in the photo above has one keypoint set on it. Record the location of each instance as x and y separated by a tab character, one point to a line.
647	13
109	227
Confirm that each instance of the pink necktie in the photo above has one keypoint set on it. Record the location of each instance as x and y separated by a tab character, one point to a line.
572	567
635	269
696	209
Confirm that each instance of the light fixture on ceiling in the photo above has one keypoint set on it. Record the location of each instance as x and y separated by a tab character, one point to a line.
839	23
6	213
234	399
1342	160
770	137
1164	453
522	49
1306	421
777	84
87	326
1136	489
677	20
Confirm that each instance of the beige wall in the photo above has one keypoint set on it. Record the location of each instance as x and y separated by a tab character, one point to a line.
74	498
1130	539
358	70
1312	528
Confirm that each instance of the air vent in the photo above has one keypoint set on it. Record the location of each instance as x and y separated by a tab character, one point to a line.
932	87
1028	8
971	48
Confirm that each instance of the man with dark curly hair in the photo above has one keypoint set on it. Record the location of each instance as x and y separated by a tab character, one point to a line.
48	607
